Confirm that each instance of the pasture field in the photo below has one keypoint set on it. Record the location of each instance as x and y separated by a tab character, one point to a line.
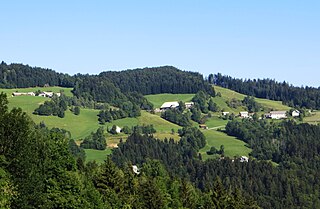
214	122
158	99
82	125
314	118
55	89
98	155
228	94
232	146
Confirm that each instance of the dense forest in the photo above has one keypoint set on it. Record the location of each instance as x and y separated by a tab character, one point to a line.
43	168
293	183
308	97
22	76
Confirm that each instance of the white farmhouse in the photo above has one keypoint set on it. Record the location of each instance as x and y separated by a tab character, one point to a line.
189	104
135	169
295	113
244	159
118	129
169	105
278	114
244	114
225	113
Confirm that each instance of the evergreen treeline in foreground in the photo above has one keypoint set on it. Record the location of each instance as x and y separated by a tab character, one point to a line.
42	168
308	97
293	183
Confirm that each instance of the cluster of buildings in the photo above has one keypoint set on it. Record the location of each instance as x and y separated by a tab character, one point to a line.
171	105
271	114
48	94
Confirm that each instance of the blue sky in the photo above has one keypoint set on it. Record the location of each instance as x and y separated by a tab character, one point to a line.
278	39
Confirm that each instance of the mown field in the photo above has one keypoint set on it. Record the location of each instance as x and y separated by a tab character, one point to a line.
158	99
55	89
228	94
232	146
97	155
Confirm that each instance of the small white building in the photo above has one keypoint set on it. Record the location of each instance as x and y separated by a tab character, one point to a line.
18	94
31	94
189	104
225	113
278	114
169	105
244	114
295	113
244	159
135	169
118	129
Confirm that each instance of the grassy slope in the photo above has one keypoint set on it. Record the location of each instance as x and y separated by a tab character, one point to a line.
314	118
81	126
98	155
54	89
158	99
232	146
228	94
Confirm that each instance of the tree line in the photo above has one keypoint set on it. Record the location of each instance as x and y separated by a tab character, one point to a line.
302	97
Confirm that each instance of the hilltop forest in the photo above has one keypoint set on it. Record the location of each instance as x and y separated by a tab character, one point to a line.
44	168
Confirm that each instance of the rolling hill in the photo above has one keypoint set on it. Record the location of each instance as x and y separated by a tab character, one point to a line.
82	125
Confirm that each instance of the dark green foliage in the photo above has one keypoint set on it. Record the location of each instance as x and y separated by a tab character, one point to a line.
158	80
144	129
180	160
251	104
139	100
95	140
76	110
195	114
56	106
212	106
126	130
234	103
201	99
110	115
39	163
22	76
113	130
177	117
99	89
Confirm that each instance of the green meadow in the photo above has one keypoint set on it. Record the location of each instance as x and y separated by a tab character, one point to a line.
97	155
158	99
232	146
227	94
55	89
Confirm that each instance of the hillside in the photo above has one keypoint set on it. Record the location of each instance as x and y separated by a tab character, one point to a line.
82	125
228	94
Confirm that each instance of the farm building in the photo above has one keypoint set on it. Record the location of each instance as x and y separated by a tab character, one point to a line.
278	114
295	113
203	126
189	104
244	114
169	105
23	94
225	113
244	159
118	129
135	169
